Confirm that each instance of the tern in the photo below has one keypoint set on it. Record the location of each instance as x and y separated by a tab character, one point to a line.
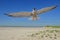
33	13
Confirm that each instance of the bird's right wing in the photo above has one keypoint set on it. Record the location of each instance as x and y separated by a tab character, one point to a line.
45	9
20	14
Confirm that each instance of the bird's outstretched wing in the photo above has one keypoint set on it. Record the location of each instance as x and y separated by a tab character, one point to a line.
45	9
20	14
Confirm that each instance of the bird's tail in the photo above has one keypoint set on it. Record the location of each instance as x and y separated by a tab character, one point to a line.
33	18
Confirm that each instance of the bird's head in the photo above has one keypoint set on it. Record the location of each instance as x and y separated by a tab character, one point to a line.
34	8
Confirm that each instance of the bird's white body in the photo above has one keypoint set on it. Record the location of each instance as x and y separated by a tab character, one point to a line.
33	13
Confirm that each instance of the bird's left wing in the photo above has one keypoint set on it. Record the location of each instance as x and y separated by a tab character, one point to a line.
45	9
20	14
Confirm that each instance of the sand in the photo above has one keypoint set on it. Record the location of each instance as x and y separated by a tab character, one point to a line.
21	33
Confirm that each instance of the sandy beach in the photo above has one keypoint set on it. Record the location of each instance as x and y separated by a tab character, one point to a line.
21	33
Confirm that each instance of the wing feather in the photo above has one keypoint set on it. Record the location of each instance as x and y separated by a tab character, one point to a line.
20	14
45	9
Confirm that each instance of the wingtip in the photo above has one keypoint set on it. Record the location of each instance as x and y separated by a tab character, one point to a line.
55	6
5	14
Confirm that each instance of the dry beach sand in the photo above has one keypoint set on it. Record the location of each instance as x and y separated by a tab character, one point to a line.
20	33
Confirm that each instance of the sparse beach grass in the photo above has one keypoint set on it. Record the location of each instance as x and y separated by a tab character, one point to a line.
51	34
52	26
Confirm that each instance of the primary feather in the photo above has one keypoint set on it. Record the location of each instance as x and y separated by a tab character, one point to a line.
20	14
45	9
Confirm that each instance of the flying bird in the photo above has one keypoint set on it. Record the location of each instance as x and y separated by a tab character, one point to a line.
33	13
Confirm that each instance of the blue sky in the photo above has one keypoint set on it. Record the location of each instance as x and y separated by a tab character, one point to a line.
48	18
